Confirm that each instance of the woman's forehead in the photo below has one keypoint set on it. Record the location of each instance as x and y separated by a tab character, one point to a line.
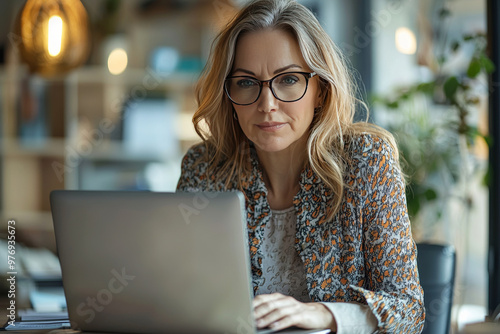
267	50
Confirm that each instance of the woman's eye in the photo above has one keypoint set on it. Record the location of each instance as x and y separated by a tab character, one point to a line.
245	83
289	80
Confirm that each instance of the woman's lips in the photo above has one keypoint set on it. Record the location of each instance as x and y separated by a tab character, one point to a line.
270	126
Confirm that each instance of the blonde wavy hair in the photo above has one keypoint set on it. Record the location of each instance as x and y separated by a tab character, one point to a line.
332	124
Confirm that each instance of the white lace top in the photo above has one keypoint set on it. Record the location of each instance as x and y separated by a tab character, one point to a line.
281	264
283	271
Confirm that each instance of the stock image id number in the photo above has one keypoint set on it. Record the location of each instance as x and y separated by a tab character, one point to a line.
11	248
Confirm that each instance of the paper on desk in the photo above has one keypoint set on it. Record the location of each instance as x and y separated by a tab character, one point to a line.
32	315
33	325
48	299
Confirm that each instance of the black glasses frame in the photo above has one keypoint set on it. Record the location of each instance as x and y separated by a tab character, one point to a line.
307	75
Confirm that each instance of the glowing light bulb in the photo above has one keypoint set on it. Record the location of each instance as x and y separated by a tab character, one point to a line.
406	42
55	35
117	61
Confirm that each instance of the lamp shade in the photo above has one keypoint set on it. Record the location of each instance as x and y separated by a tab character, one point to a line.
54	35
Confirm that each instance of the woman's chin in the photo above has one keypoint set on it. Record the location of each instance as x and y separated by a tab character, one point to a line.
275	146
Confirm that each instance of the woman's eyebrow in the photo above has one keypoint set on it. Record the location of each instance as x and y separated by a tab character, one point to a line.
287	68
279	70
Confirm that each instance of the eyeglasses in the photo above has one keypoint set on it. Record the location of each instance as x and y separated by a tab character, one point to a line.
286	87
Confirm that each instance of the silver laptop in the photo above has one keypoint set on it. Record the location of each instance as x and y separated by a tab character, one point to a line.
146	262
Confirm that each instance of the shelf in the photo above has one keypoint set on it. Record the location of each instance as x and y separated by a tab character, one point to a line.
36	148
40	220
105	151
33	229
118	152
146	77
32	168
179	80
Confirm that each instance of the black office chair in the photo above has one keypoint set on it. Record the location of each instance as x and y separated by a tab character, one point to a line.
436	266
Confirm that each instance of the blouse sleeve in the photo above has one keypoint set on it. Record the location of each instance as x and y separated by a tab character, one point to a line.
352	318
193	176
392	289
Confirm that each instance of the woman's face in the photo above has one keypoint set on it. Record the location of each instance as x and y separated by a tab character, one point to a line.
273	125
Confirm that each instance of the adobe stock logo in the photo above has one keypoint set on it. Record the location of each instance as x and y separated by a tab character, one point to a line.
104	296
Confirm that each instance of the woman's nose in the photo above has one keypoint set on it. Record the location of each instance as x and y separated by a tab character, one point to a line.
267	102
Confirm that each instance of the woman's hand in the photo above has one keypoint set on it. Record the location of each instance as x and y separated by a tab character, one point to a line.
278	311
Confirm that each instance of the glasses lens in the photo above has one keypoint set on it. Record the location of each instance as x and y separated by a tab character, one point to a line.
242	90
290	86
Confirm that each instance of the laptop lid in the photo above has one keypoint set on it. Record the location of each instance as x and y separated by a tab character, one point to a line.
147	262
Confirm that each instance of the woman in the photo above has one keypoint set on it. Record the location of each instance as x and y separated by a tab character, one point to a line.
328	229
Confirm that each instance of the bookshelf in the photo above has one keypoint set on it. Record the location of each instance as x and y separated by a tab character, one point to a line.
89	129
83	143
86	129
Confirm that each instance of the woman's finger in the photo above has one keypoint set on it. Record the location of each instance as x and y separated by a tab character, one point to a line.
278	314
278	311
292	319
266	299
259	299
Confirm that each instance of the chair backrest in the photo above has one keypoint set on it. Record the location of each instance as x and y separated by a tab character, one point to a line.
436	266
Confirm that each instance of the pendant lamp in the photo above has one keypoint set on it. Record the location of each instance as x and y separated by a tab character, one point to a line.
53	35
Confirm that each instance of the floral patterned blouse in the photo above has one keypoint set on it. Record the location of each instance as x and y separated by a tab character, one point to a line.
366	254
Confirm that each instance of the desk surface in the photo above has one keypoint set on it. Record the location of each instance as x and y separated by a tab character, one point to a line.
4	303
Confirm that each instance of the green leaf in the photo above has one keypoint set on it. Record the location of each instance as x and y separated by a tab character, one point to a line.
473	100
413	203
441	59
373	98
486	64
455	46
430	194
450	87
473	131
487	179
444	12
488	139
426	87
439	214
474	68
405	95
393	105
